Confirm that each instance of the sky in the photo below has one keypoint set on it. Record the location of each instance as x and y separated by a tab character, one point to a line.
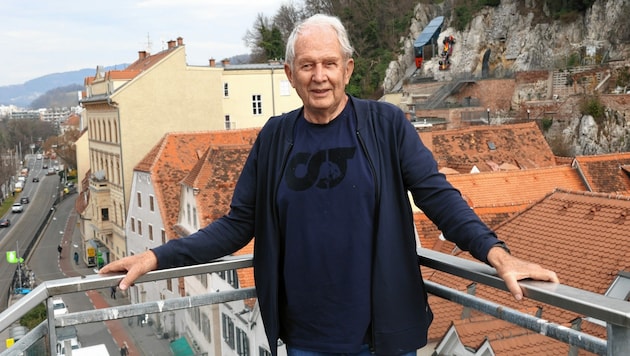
40	37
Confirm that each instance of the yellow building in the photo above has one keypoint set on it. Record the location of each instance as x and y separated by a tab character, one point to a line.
128	111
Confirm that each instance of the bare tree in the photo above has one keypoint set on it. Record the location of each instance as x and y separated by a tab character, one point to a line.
286	18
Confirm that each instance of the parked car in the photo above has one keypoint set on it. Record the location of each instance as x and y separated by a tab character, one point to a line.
45	166
25	200
59	307
5	222
17	208
35	179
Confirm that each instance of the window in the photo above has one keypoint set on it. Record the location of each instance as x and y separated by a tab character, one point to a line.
226	90
139	227
163	236
257	104
169	284
133	225
151	203
150	232
242	343
105	214
285	88
230	276
228	124
227	329
203	278
139	200
263	352
206	329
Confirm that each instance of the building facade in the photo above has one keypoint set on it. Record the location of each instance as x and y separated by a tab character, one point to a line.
128	111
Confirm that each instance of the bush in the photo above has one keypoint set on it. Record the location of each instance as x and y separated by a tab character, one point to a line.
34	317
593	106
546	123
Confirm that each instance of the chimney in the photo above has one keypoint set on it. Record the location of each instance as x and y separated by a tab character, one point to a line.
180	41
213	62
225	62
142	54
171	44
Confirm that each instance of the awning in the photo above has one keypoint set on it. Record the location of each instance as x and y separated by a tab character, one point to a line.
180	347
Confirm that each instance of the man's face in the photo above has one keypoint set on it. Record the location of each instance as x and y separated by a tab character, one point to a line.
320	73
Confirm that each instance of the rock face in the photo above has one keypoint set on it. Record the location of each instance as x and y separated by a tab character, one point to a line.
520	35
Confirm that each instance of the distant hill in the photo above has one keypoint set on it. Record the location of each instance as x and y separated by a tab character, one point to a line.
22	95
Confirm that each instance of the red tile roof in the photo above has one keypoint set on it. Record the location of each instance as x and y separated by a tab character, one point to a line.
521	187
608	173
567	231
171	160
520	145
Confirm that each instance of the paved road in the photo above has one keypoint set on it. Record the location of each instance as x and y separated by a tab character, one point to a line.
24	225
43	260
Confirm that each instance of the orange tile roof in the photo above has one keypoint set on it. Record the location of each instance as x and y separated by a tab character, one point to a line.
171	160
520	145
606	173
73	120
121	74
567	231
515	187
215	176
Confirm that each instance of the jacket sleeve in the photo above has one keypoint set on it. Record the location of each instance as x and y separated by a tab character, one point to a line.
438	199
223	236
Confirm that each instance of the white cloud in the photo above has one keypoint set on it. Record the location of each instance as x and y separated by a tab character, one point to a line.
57	36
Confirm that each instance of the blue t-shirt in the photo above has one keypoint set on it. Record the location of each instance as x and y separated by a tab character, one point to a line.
326	203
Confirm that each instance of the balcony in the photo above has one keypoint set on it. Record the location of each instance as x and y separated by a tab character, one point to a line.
615	313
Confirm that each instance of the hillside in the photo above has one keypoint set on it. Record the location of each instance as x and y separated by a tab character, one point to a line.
22	95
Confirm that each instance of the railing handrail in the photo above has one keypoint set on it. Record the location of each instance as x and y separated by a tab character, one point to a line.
615	312
607	309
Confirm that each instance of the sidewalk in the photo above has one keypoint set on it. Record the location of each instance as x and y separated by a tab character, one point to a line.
139	340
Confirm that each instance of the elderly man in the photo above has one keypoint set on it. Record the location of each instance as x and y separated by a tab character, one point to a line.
324	192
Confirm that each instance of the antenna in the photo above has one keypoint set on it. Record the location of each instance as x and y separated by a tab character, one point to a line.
148	44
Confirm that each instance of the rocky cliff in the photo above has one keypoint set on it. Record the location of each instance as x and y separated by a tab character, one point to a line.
521	35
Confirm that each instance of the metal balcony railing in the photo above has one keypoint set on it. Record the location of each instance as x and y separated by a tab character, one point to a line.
614	312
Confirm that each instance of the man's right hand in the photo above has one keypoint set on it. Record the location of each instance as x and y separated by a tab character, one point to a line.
134	266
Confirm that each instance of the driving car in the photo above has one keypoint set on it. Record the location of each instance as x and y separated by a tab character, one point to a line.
59	307
35	179
17	208
25	200
5	222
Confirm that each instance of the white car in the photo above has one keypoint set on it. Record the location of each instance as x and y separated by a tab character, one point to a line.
17	208
59	307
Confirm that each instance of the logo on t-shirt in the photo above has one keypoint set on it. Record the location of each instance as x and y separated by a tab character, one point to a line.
324	169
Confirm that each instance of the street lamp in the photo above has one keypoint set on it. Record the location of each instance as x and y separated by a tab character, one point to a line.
528	114
488	111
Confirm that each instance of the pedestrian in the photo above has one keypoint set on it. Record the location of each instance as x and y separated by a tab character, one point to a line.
124	351
336	173
112	292
140	320
59	248
76	258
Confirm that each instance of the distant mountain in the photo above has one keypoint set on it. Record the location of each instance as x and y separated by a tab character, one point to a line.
22	95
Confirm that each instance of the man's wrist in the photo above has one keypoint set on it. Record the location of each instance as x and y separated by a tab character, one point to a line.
503	245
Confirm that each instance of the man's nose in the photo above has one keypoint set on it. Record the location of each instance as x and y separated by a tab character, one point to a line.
319	74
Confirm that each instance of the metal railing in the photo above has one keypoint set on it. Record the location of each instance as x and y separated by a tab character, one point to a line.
614	312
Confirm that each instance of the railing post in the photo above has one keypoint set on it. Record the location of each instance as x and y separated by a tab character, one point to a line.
618	340
52	334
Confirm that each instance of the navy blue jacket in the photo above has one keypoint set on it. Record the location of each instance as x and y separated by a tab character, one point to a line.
400	163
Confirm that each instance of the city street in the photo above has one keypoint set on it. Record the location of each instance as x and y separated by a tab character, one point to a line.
44	262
